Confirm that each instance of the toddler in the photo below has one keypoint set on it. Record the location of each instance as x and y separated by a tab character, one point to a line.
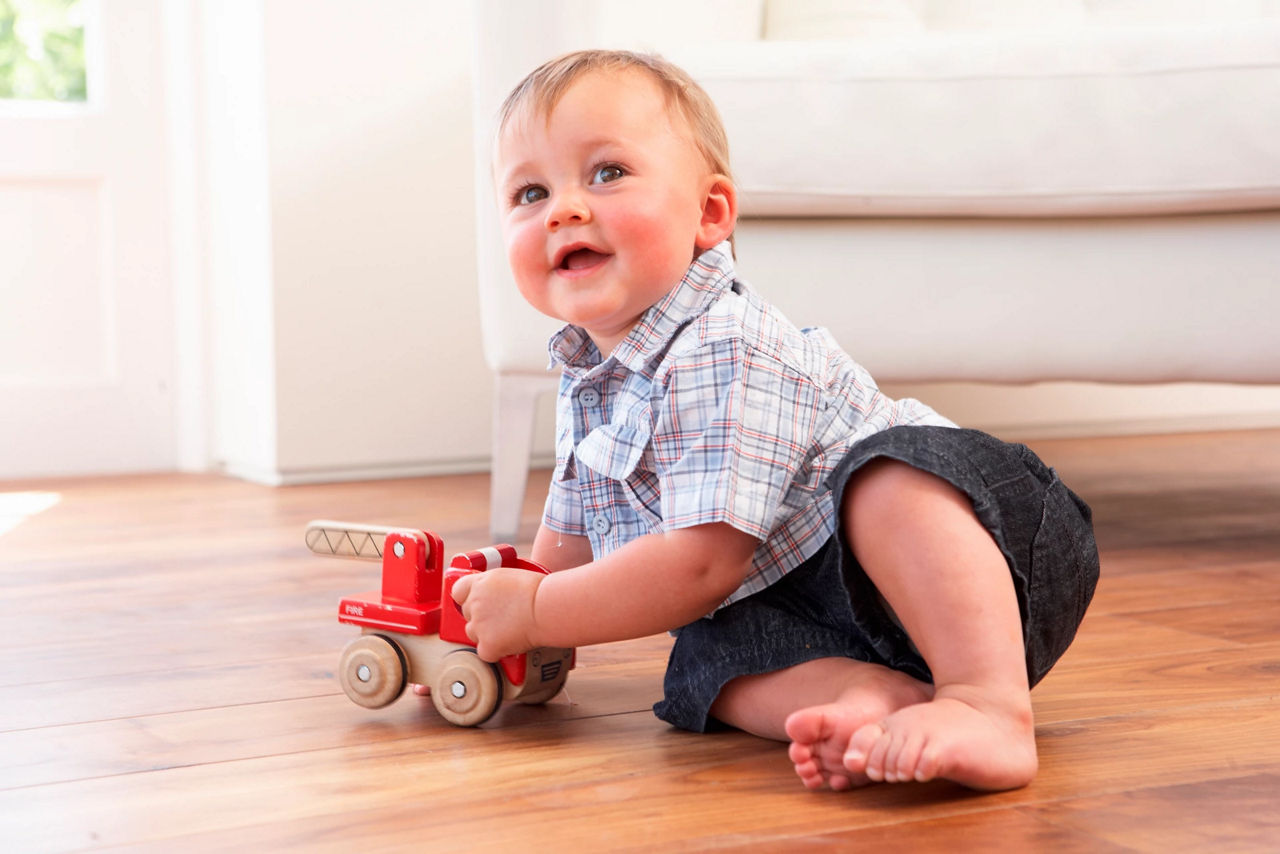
853	574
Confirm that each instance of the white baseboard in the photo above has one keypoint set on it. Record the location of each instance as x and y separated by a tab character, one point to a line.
1134	426
1078	409
381	471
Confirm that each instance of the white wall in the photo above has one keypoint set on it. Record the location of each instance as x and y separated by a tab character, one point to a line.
374	264
343	334
341	276
240	326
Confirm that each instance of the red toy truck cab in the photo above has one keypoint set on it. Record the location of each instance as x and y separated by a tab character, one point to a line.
413	631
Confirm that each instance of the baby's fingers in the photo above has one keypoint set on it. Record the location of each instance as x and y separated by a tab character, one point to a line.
462	588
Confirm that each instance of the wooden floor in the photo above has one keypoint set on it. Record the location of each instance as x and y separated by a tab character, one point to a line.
167	656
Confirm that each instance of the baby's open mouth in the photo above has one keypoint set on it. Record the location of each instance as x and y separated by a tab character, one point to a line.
582	259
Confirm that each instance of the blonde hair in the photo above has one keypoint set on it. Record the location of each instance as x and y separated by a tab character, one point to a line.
543	88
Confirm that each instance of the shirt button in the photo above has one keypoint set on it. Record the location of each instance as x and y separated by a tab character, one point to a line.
589	397
600	524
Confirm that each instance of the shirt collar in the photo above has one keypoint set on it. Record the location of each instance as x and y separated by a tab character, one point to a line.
709	276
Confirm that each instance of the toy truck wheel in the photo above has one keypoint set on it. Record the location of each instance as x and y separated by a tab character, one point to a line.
372	671
468	691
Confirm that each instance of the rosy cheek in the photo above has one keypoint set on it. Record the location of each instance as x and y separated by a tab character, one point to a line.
645	224
527	259
522	247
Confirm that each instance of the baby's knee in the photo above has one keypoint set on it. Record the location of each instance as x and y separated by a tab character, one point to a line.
886	488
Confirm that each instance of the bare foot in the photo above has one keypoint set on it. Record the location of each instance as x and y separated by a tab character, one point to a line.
958	736
820	735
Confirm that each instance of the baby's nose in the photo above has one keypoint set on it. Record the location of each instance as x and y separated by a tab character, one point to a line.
569	209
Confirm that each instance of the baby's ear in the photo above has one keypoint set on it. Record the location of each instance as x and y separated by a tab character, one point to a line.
719	211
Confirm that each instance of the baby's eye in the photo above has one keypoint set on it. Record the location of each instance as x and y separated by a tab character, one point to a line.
530	194
607	173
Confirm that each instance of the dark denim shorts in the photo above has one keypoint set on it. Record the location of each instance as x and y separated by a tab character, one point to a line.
828	607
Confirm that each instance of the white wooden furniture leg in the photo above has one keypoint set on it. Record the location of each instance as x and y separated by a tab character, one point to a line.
515	405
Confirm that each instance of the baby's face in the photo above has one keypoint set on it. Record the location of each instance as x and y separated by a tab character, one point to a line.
601	203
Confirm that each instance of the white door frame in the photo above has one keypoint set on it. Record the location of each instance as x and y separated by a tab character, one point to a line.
125	389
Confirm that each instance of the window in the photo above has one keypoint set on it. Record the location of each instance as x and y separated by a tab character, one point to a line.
42	51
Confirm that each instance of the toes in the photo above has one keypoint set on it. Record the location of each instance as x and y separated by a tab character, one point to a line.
858	754
892	752
876	758
800	752
902	767
811	731
929	765
839	783
813	781
810	774
808	769
806	726
809	781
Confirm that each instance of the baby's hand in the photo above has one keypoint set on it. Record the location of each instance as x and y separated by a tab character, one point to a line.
498	608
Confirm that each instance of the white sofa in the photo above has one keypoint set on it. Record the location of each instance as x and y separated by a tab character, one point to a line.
997	190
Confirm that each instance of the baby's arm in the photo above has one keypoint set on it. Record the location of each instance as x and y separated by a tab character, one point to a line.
654	583
558	551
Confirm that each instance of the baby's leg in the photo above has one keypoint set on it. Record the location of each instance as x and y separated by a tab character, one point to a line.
941	572
839	696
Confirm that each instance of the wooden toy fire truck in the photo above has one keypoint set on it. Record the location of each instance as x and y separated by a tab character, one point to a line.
413	632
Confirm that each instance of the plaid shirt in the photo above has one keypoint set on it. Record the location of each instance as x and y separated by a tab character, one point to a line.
714	409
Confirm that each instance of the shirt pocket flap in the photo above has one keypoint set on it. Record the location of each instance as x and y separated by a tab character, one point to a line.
613	450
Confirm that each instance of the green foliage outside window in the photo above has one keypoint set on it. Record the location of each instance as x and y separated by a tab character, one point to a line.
42	50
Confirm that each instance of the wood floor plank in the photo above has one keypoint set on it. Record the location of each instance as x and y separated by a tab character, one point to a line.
620	782
1124	685
440	770
121	653
1229	814
1252	622
1101	635
1152	557
162	692
1166	745
133	743
167	658
1198	586
44	704
990	830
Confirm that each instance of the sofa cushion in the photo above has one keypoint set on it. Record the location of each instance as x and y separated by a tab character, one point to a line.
1085	121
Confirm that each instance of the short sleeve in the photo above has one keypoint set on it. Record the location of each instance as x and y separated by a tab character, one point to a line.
563	510
731	432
